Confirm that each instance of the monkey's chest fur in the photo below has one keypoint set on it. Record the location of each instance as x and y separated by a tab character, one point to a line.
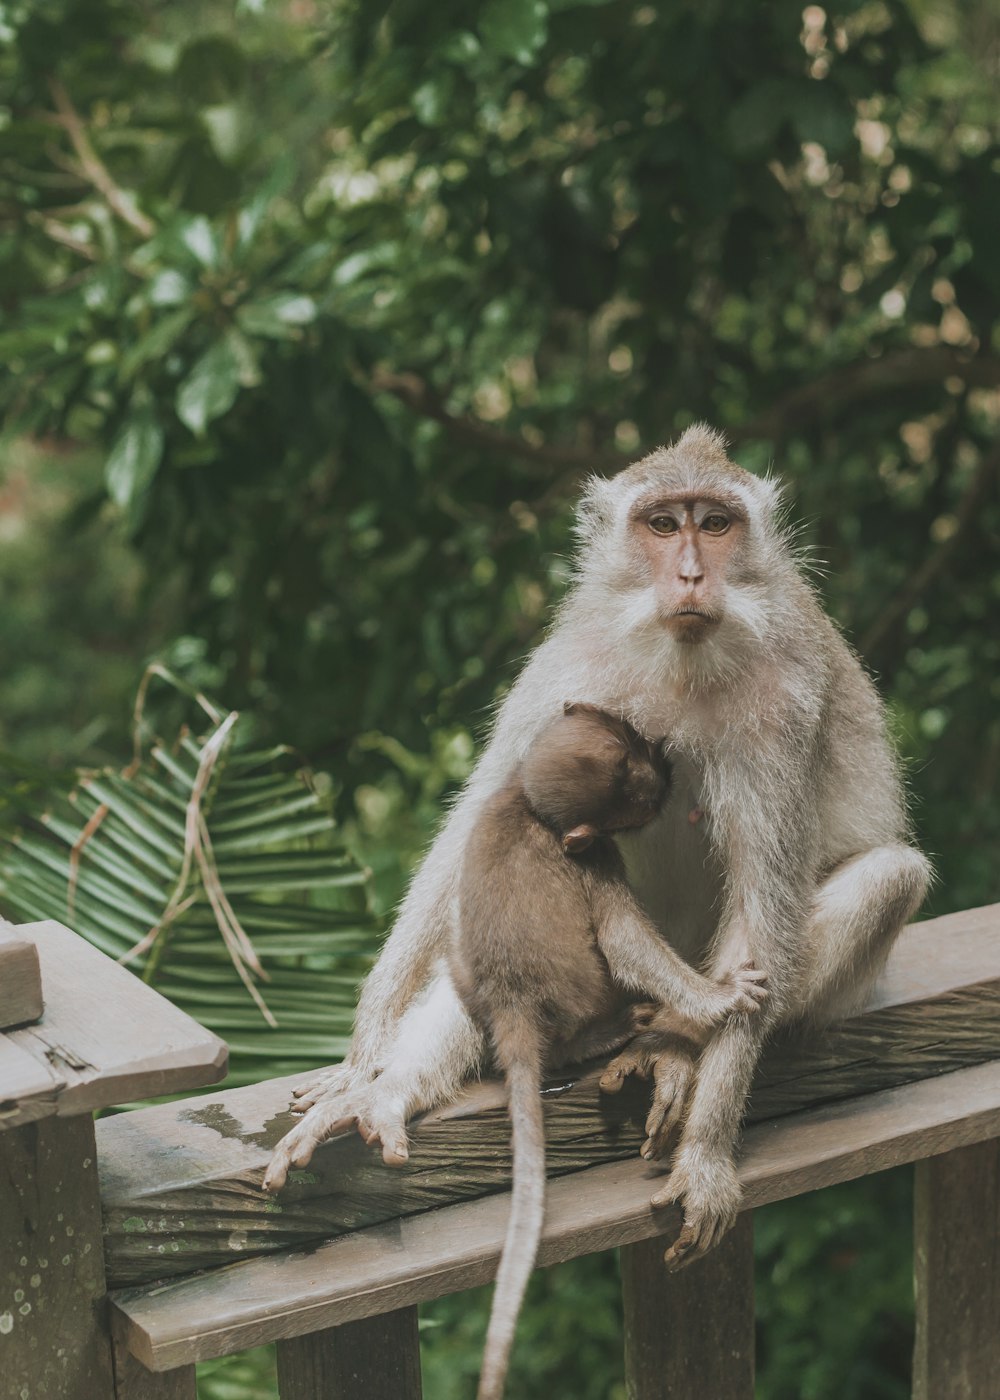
524	946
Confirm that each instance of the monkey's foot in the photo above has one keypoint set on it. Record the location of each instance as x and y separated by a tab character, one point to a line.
638	1058
378	1118
673	1080
339	1079
708	1188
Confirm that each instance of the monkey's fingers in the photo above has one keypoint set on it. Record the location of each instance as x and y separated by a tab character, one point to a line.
335	1080
675	1256
297	1147
390	1135
672	1077
637	1062
695	1241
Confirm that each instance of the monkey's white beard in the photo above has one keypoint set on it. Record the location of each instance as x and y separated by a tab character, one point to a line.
646	656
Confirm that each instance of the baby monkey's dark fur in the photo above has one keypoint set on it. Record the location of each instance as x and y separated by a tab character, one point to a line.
547	926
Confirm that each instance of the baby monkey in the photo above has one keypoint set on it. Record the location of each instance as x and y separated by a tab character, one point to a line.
545	914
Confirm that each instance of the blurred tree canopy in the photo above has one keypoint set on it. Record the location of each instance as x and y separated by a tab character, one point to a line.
315	316
350	297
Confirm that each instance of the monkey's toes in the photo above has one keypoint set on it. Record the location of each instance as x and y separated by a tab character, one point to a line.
276	1174
630	1061
390	1137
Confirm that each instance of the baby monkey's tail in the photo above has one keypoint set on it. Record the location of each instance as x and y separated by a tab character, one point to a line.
520	1050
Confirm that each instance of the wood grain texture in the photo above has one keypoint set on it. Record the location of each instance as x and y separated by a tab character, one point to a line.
375	1359
956	1249
690	1335
134	1382
53	1332
180	1182
407	1261
105	1037
20	980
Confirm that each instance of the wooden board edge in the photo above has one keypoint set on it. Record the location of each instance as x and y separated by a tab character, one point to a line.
939	1125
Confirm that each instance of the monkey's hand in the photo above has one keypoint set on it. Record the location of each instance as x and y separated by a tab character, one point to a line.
376	1117
708	1189
741	992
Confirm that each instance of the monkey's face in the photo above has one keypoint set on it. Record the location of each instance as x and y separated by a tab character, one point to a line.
692	547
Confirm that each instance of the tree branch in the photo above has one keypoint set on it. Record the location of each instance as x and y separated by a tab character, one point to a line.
92	167
849	384
418	396
832	392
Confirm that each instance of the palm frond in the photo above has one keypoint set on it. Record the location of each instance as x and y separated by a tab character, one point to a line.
215	870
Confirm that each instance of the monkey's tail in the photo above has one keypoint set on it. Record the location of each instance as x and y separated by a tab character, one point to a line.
524	1228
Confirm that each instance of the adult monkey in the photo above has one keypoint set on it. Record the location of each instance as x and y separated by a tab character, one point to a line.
690	617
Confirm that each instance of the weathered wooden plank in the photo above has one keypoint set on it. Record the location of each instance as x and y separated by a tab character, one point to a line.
134	1382
53	1338
20	980
180	1183
28	1087
957	1269
403	1262
147	1047
691	1334
377	1358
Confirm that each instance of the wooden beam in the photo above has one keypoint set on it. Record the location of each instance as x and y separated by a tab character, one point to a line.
691	1334
957	1271
53	1334
404	1262
85	1060
180	1182
377	1358
20	980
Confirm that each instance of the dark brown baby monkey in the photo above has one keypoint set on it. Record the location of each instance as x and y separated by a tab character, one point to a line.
549	936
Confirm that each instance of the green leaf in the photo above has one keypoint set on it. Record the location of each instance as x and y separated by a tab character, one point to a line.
161	336
210	389
515	28
199	237
133	461
280	316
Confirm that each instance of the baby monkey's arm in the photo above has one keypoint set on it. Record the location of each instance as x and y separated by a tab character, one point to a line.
638	958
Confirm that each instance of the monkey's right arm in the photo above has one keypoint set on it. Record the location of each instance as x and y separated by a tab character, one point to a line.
641	960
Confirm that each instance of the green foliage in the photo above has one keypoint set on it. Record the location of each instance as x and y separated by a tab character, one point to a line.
217	867
350	299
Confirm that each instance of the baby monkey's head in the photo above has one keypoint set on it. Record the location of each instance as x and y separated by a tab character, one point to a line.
589	772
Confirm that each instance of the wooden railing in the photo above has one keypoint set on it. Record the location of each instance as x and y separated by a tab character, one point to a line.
915	1078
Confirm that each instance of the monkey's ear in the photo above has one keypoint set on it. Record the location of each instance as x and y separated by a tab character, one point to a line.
579	838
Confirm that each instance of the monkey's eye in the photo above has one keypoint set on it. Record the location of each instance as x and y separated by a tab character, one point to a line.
716	523
663	524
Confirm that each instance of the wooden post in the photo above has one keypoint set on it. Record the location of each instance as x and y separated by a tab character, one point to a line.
690	1335
375	1359
53	1330
956	1249
134	1382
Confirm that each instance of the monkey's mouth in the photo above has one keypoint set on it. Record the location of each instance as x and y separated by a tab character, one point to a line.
698	614
690	624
